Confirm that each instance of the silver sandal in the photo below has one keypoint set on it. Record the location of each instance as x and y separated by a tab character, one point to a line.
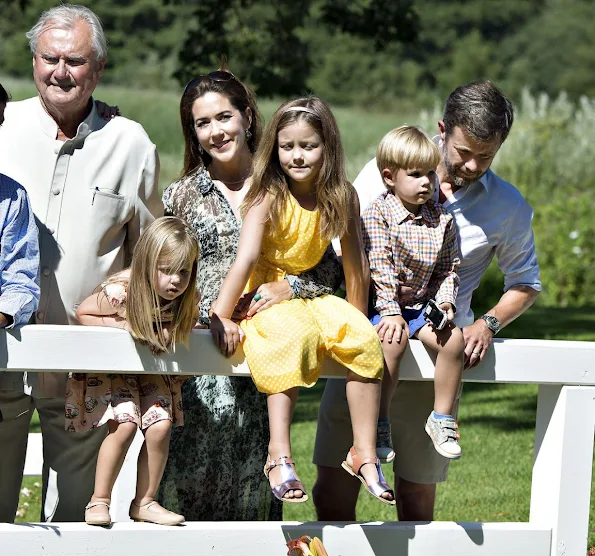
289	480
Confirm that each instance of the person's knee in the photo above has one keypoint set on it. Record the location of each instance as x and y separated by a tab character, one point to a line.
415	501
159	431
394	351
125	432
456	343
335	494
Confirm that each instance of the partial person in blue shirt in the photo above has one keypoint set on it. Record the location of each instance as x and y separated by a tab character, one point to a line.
19	249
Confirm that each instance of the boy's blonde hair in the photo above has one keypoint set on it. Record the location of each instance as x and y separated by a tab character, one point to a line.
407	147
334	194
168	240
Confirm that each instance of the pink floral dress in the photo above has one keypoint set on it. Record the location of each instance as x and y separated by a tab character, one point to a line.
93	399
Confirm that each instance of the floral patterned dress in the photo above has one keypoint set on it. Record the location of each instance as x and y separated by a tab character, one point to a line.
94	399
214	470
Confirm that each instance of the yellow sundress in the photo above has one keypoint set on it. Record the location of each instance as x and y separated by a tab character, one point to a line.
285	344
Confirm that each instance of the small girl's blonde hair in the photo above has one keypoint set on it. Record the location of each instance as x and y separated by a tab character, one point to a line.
168	240
407	147
334	194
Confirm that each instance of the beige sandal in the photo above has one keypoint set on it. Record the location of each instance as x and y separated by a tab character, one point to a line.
153	512
97	517
376	489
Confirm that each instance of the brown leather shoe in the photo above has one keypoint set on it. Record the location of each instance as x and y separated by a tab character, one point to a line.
154	513
99	516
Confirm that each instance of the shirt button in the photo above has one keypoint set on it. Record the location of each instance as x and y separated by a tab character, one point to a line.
51	231
45	271
40	315
56	191
56	150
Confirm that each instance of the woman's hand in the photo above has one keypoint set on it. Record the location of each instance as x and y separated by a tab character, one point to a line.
268	295
226	334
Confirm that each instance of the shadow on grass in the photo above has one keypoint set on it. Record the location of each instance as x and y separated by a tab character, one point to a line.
308	403
508	407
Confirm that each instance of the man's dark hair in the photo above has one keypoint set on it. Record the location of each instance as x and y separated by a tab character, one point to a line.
480	109
4	96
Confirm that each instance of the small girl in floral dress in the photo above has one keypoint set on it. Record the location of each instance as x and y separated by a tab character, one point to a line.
156	301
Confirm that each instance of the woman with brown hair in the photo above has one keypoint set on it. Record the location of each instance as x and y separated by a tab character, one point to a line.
215	467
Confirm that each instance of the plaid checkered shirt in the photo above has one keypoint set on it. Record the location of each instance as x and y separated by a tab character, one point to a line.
419	251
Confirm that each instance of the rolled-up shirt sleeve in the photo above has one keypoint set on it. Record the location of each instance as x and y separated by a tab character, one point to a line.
516	255
19	255
376	237
445	272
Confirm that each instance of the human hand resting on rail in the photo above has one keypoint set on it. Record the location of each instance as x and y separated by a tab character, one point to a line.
478	339
226	334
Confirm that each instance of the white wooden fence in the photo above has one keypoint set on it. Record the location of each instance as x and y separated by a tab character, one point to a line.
561	483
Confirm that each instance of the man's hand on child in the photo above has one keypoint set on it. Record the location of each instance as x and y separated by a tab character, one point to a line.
392	328
447	308
226	334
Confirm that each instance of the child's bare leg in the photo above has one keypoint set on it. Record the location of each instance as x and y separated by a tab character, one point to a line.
450	345
393	353
151	461
363	397
110	459
281	408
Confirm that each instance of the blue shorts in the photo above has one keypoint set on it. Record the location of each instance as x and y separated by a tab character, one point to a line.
413	317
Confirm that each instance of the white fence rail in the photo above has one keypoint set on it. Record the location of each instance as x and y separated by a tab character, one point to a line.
561	483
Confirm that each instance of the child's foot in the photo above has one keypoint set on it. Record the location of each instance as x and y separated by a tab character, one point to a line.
442	429
368	471
285	484
152	512
97	512
384	442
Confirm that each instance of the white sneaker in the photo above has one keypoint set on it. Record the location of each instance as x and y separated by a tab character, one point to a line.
444	435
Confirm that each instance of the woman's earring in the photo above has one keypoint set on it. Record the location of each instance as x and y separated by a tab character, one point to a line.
200	149
248	135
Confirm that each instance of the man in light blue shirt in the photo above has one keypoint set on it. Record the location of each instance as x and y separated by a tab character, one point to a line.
19	250
492	219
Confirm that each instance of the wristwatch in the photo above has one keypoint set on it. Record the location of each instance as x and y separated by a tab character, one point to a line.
493	323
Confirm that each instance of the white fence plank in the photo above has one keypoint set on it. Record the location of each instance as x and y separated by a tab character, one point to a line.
96	349
34	458
561	484
269	538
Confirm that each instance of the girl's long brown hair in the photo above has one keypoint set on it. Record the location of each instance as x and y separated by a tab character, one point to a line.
333	193
169	241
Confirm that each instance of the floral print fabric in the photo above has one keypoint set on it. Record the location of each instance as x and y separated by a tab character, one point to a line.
93	399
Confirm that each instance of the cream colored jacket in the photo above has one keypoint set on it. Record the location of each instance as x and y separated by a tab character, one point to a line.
92	196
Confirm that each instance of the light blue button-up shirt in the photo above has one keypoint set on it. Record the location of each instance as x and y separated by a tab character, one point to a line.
492	219
19	253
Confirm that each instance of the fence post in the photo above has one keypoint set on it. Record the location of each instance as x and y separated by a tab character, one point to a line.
561	485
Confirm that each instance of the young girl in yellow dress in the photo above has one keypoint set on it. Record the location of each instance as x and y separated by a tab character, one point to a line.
156	301
298	201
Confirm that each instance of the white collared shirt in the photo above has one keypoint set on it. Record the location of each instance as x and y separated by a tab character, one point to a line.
91	195
492	219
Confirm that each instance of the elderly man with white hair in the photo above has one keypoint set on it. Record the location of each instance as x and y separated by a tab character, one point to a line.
93	189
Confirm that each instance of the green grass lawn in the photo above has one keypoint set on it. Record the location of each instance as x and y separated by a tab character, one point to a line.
492	482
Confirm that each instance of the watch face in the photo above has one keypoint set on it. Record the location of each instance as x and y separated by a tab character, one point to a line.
492	322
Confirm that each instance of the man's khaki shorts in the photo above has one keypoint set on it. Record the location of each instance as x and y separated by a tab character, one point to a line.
416	460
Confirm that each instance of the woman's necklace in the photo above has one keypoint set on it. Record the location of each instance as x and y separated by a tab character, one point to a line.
227	182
